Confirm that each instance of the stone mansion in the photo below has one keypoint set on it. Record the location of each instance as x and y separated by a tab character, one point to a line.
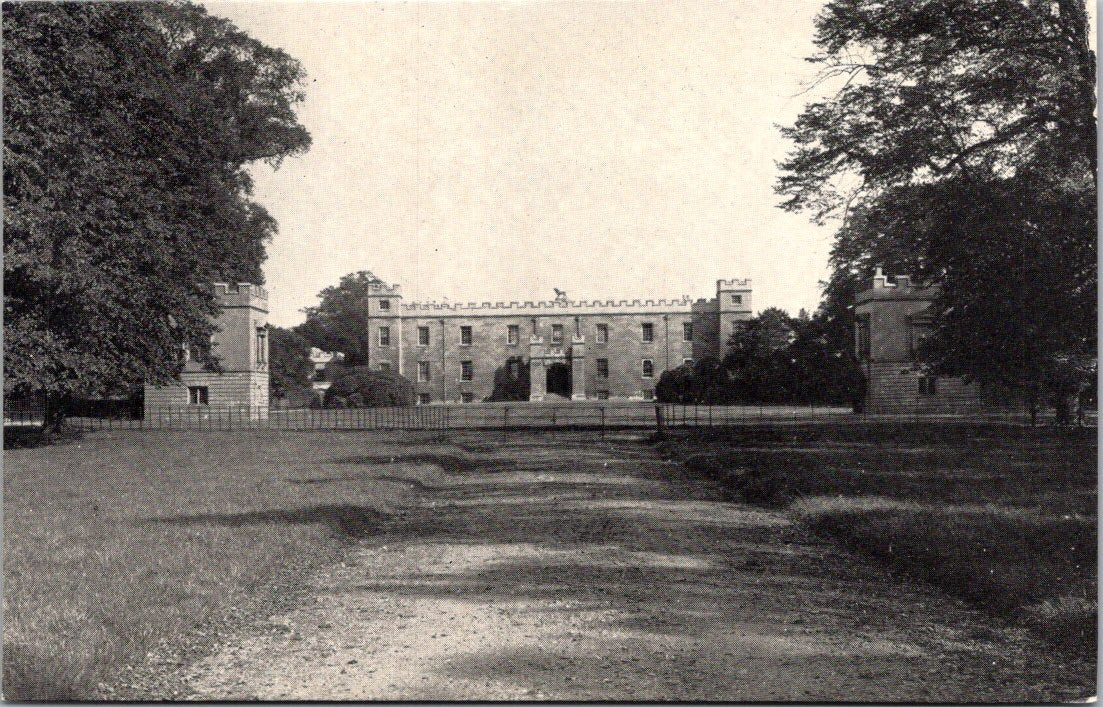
562	349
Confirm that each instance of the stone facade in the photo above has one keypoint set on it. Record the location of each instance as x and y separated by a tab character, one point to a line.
241	345
570	350
891	320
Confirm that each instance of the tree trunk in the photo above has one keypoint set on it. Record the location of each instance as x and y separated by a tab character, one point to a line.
53	413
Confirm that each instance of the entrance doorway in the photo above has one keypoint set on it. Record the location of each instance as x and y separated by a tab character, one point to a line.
559	379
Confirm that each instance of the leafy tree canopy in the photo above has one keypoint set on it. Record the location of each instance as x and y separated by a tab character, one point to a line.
289	365
340	321
959	148
128	131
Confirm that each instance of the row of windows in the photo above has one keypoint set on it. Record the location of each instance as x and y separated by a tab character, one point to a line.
513	334
467	368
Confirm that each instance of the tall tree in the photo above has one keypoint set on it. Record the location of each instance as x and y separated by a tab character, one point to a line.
289	366
128	131
960	147
340	320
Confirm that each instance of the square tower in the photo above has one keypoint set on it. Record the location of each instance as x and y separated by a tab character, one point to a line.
733	305
240	343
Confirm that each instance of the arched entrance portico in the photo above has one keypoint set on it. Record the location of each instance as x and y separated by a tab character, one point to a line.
557	369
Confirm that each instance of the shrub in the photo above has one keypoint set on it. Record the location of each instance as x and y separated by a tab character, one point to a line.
359	386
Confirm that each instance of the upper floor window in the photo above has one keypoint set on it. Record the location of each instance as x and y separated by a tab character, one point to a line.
602	334
262	345
861	327
737	299
465	335
423	371
687	331
647	332
385	305
513	334
423	336
467	370
557	333
384	336
648	368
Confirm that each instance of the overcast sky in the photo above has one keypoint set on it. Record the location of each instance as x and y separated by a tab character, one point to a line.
493	151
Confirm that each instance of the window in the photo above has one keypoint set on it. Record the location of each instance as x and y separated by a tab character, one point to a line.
385	365
736	327
467	370
262	345
423	371
928	385
557	333
423	336
603	395
514	367
384	305
737	299
320	374
465	335
467	397
602	335
649	394
647	332
513	334
862	329
602	367
687	331
197	395
687	361
648	368
384	336
424	398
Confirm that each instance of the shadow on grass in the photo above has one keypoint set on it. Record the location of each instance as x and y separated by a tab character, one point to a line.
32	677
351	522
449	463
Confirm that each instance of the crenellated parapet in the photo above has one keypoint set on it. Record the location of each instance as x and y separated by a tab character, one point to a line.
733	284
547	307
241	294
382	289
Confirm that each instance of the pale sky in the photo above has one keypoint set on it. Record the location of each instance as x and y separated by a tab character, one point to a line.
493	151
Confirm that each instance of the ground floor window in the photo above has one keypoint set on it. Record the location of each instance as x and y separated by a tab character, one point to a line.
467	397
928	385
384	365
648	368
649	394
197	395
603	395
424	398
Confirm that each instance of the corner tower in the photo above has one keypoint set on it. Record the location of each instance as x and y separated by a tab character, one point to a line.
240	343
733	305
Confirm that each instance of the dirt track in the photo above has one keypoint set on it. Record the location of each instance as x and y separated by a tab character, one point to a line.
562	567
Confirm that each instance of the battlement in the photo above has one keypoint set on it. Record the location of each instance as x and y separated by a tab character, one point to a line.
900	287
383	289
241	294
733	284
549	306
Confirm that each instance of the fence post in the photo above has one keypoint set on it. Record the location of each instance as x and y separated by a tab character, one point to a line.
505	416
659	421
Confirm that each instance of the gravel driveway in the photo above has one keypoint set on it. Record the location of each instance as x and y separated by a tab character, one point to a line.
564	567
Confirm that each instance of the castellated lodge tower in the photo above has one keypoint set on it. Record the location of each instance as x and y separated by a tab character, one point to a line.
564	349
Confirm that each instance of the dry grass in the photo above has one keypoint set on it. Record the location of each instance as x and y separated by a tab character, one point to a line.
124	547
1003	517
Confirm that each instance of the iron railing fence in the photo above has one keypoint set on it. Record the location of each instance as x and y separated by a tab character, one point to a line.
578	415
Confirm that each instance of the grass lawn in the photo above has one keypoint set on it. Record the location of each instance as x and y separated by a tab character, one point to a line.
1001	516
122	547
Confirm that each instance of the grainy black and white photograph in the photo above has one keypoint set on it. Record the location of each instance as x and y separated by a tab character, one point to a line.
550	350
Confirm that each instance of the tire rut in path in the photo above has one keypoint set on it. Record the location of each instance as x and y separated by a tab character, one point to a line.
555	567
